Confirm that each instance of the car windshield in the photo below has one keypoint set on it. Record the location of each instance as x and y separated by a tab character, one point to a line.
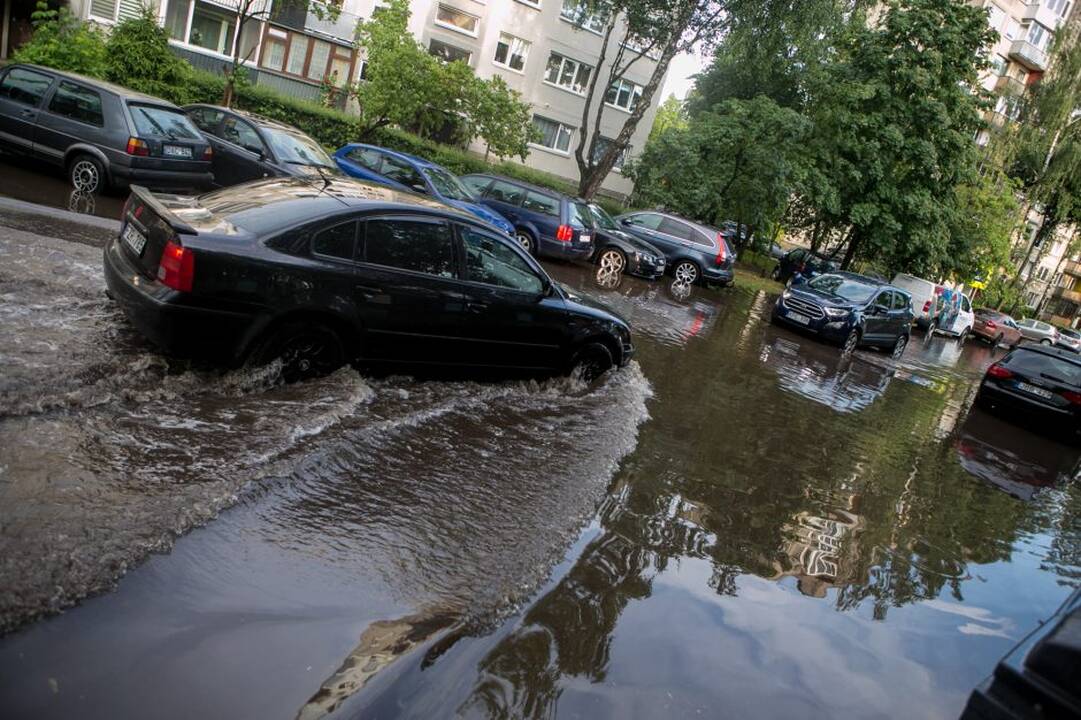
297	149
153	121
448	186
1069	333
604	220
844	287
580	215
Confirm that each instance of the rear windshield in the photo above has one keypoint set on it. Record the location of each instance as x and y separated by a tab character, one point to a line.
843	287
1037	364
151	121
580	216
1069	333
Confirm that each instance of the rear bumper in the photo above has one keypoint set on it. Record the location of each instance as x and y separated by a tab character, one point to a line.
565	250
714	274
123	176
1028	408
158	313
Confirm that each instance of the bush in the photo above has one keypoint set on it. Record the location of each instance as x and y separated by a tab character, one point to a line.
139	57
61	41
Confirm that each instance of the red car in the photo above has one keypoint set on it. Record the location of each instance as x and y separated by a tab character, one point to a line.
995	327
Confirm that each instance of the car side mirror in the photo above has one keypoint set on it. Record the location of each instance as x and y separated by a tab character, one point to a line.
255	150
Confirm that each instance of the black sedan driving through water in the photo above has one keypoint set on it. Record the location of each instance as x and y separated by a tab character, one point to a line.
324	273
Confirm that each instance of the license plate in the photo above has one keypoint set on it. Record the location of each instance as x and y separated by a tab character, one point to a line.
585	238
135	239
797	318
177	151
1033	390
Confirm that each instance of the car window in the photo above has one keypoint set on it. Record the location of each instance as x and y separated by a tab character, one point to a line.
699	237
417	245
1010	322
477	184
401	171
901	301
493	262
675	229
296	148
540	203
242	133
24	86
965	305
366	158
1037	364
78	103
207	119
1024	323
163	122
337	241
884	300
579	215
505	192
646	220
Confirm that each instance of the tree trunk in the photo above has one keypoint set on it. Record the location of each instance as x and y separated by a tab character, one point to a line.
853	244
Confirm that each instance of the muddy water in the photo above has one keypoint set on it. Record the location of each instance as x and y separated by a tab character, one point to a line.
768	529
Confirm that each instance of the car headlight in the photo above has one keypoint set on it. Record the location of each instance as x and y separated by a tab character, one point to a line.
837	313
786	294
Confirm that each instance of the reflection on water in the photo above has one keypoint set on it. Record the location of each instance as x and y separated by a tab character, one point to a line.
37	182
82	202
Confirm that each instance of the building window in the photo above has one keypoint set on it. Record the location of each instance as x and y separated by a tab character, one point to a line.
1012	29
554	135
305	57
107	10
1059	7
448	53
623	94
581	14
568	74
602	145
999	64
531	3
1038	35
995	16
455	19
211	28
511	52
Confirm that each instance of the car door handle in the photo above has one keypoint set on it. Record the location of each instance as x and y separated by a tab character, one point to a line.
476	307
26	113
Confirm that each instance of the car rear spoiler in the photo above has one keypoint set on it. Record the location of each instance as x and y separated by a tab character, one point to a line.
167	216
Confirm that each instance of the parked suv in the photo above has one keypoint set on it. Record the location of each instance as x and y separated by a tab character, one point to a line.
408	172
103	135
995	327
848	309
249	147
546	223
354	272
1036	331
694	253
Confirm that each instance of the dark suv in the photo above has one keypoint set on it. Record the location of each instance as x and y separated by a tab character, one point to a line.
848	309
694	253
103	135
249	147
319	274
546	223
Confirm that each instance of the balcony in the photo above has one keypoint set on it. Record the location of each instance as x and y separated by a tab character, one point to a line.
1072	268
343	29
1061	293
1029	55
1041	13
1009	86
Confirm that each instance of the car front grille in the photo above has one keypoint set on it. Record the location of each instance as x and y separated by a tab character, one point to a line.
804	307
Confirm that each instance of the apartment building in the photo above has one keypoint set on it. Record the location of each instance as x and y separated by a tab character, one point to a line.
545	49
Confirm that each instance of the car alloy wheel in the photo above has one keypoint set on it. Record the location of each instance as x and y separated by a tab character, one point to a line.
686	272
1045	341
612	261
525	240
86	175
899	346
851	342
591	362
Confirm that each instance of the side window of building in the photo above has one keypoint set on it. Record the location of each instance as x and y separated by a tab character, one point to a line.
507	193
493	262
78	103
539	203
417	245
403	173
676	229
25	86
336	242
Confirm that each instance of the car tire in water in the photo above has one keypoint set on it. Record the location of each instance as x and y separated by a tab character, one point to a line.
592	361
686	271
525	239
899	347
963	336
850	343
612	260
86	174
306	349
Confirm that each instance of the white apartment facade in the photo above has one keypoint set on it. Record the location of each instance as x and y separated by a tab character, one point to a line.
545	49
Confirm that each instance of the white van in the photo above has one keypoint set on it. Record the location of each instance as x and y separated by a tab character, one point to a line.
925	305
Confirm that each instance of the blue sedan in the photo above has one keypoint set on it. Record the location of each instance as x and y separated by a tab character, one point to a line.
407	172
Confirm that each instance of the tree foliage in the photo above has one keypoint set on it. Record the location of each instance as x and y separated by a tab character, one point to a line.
62	41
138	55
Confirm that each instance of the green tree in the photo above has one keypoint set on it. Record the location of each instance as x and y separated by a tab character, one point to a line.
499	115
62	41
671	114
981	226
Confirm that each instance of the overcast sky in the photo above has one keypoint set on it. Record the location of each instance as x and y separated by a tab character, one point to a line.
679	81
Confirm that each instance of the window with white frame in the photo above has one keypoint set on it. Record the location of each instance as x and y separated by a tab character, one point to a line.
554	135
447	52
511	52
568	74
999	64
455	19
995	16
623	94
602	146
105	10
207	26
1061	8
584	16
1012	30
1038	35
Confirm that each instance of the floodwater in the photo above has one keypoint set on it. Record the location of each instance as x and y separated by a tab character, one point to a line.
740	523
38	182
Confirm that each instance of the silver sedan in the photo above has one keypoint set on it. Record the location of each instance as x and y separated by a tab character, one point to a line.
1037	331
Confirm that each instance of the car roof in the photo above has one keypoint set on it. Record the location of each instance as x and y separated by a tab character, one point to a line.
119	90
527	185
415	159
253	117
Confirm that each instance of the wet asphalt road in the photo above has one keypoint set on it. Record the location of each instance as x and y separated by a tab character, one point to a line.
740	523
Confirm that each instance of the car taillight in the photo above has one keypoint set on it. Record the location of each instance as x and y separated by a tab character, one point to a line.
990	324
138	147
208	154
722	250
565	233
177	267
997	371
1073	397
927	306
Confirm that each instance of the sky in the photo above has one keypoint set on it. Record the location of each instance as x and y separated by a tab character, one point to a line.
679	81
